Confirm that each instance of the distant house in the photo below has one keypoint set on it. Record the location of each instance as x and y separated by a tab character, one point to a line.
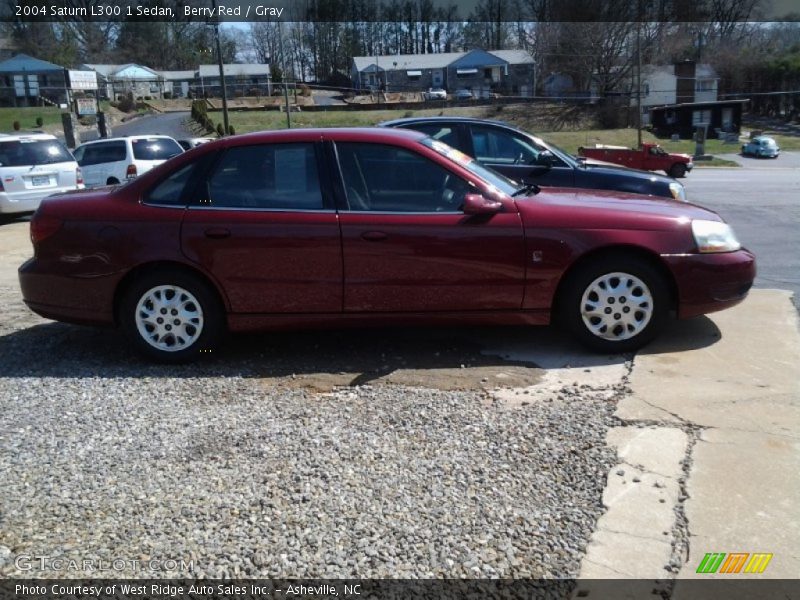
28	81
239	79
680	83
178	83
116	81
715	118
481	72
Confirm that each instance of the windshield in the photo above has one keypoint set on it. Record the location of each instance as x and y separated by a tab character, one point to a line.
33	152
155	149
495	179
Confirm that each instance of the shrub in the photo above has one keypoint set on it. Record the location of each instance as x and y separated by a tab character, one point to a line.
167	95
408	113
39	121
126	104
231	130
16	125
220	130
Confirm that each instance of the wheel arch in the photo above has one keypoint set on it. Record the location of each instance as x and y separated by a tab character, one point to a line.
149	267
605	252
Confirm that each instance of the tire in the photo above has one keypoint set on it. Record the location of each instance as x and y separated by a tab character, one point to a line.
677	170
112	181
642	290
191	303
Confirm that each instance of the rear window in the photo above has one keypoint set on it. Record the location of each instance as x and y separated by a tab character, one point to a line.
20	153
155	149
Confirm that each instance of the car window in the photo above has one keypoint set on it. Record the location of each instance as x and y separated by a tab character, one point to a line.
390	179
104	152
441	132
170	190
155	148
502	147
267	176
33	152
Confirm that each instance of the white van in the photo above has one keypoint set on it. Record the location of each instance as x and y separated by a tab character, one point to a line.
115	160
33	166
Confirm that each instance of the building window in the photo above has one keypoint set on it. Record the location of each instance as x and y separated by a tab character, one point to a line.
466	73
704	85
701	117
414	75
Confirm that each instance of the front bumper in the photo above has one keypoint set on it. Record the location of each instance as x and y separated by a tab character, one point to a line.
710	282
689	166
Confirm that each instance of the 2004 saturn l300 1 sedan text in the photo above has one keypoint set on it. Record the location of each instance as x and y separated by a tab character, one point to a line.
369	226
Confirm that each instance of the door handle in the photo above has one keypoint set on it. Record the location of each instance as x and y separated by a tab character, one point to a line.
217	233
374	236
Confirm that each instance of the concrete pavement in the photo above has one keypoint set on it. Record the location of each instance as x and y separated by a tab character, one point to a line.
713	436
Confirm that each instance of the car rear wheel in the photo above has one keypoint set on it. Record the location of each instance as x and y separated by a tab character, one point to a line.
677	170
171	316
615	304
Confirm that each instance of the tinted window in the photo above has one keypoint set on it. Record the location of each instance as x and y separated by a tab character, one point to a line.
33	152
170	191
501	147
443	133
391	179
279	176
155	149
104	152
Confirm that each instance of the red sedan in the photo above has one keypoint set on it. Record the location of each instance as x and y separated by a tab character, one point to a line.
369	226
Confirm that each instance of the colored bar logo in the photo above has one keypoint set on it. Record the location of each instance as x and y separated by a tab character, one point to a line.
735	562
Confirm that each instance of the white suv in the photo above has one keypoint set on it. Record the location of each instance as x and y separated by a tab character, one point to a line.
114	160
32	166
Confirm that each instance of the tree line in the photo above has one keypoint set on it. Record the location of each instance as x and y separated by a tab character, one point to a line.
317	40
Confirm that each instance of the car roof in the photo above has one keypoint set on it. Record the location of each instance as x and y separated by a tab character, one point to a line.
319	133
10	137
128	137
455	119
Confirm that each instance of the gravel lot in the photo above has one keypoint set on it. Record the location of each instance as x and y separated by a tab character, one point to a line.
339	454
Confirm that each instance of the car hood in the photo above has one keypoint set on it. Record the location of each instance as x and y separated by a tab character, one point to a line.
601	209
600	166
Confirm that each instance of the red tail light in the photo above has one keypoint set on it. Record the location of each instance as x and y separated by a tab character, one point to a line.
42	227
78	176
131	172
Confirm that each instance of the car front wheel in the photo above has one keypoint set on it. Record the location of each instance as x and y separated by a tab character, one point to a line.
615	304
171	316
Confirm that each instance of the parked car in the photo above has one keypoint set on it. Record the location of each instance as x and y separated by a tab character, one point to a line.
435	94
111	161
189	143
33	166
529	159
650	157
761	147
369	226
463	94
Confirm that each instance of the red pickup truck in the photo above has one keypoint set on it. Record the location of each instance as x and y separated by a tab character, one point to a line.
650	157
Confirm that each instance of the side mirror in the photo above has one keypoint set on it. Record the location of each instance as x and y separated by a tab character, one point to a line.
475	204
545	158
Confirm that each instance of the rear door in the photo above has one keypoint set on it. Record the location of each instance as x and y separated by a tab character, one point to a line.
263	223
409	247
103	163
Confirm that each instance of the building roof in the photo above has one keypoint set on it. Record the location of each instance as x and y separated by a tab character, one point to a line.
176	75
401	62
232	70
23	62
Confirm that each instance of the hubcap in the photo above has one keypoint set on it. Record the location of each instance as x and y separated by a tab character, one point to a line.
177	333
600	306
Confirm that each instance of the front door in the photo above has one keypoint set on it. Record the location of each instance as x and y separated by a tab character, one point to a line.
517	157
261	224
408	246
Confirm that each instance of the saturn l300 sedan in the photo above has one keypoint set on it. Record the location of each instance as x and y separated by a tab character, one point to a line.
302	228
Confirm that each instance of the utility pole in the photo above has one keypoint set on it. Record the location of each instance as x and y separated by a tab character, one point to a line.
284	77
639	75
225	122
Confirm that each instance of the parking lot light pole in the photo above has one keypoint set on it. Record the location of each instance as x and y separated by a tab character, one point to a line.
221	71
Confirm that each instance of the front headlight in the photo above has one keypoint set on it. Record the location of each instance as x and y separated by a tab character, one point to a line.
678	191
714	236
